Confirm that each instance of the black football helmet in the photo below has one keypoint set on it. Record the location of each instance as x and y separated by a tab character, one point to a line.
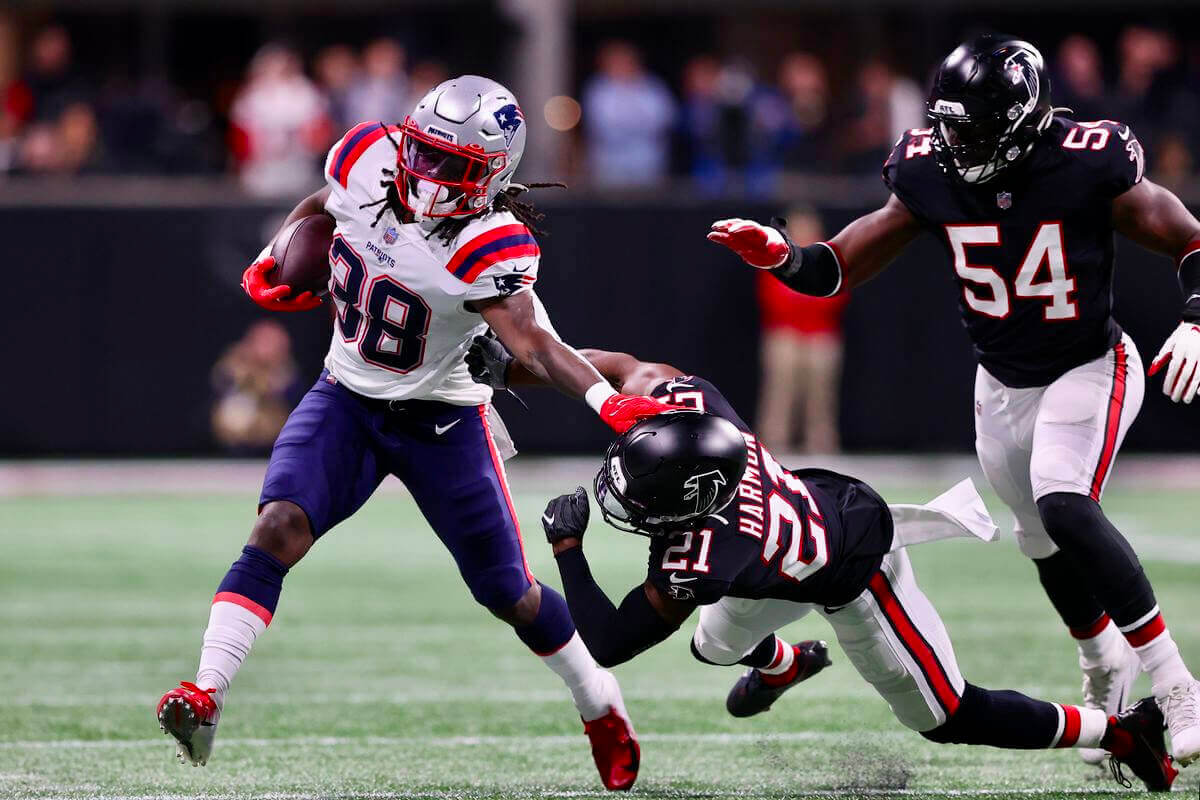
989	103
669	471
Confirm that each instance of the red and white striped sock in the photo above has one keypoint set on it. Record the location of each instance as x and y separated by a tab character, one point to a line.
783	666
1159	654
1098	643
1079	726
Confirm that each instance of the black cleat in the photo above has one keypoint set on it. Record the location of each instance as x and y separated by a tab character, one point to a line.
1135	739
751	695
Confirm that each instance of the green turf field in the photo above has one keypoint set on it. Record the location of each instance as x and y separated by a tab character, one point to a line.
380	678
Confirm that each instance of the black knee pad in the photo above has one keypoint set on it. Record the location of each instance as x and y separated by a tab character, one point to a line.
1067	515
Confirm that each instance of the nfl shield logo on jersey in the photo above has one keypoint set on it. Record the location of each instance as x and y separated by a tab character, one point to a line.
389	236
1004	200
509	118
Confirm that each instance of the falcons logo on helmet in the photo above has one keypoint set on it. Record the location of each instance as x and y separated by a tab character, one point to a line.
702	489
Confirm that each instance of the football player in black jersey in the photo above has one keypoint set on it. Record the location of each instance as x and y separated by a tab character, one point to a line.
1025	202
756	546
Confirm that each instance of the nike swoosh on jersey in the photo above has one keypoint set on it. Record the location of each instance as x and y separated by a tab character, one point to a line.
440	429
674	578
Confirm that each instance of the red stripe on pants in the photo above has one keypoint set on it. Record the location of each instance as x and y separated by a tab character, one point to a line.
920	650
1112	425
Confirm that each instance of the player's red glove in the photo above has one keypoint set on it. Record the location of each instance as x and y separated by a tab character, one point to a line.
623	411
759	245
274	298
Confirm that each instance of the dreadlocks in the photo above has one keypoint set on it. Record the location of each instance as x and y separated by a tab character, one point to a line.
450	227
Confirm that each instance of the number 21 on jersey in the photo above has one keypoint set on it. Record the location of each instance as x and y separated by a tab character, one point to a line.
1046	248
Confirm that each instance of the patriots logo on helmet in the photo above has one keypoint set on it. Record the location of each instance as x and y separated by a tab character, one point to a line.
509	118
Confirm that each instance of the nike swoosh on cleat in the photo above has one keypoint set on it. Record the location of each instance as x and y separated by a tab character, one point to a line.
674	578
440	429
547	520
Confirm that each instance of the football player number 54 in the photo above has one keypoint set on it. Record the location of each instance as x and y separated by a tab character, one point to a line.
992	299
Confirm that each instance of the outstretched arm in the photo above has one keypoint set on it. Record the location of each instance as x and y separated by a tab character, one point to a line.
858	253
613	634
492	364
546	358
1156	219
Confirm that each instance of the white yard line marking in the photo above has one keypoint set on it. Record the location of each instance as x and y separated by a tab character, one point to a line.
522	741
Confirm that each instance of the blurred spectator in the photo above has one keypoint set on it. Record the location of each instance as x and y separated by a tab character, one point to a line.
801	357
69	144
1142	99
628	115
336	69
734	126
280	128
889	104
804	83
15	101
1173	163
51	79
1080	74
255	382
380	92
425	75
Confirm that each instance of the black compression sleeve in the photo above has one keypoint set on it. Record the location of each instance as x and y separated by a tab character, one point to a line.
613	635
813	270
1189	280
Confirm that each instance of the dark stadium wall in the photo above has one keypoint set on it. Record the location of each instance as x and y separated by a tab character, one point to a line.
117	316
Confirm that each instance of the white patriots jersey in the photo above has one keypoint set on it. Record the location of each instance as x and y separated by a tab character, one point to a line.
402	329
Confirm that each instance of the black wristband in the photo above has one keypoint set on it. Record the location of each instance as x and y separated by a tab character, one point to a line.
812	270
1189	281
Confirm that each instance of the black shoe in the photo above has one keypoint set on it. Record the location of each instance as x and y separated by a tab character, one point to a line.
751	695
1135	739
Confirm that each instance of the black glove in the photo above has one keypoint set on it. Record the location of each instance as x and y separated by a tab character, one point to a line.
566	516
488	360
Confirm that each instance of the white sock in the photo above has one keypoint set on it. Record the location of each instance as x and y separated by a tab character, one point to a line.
785	656
1160	657
1161	660
1102	648
231	632
591	687
1092	725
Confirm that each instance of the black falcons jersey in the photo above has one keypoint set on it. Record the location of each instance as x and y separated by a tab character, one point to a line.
810	536
1033	247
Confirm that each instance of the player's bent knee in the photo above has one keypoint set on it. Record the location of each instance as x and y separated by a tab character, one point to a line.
709	651
505	591
524	611
282	530
1065	514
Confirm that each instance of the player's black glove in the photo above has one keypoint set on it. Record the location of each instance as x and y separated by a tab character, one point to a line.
488	360
566	516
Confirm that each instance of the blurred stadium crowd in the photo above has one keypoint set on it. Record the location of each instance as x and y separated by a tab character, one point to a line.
728	124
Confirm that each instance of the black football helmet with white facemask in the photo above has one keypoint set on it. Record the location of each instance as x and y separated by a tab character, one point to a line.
989	103
668	472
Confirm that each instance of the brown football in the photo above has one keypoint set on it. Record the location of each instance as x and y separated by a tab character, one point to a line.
301	253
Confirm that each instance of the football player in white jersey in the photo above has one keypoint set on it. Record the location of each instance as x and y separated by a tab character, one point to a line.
430	248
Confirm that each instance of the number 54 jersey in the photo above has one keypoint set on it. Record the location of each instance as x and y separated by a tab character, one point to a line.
402	327
808	536
1032	249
